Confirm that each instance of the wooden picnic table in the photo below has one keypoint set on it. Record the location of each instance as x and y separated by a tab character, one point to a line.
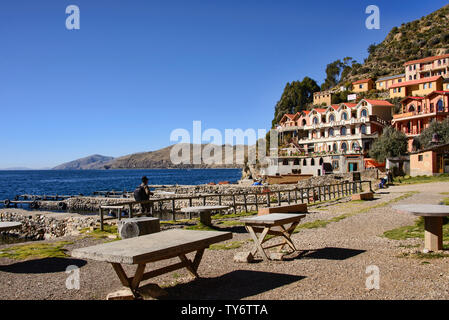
276	224
205	212
433	222
151	248
6	226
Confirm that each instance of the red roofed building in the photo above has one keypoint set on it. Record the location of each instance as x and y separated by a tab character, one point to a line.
427	67
419	112
331	140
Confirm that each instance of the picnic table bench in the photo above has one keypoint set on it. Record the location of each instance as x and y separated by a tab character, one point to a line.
276	224
6	226
205	212
433	222
151	248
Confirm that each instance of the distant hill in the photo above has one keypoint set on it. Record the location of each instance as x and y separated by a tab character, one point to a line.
428	36
159	159
90	162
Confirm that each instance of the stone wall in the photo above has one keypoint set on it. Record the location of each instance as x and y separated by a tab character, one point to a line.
45	225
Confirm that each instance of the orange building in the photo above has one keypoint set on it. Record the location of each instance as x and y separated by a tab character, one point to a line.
430	162
386	82
419	87
419	112
364	85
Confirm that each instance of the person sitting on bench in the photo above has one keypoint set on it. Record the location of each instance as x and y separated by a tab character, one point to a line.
143	193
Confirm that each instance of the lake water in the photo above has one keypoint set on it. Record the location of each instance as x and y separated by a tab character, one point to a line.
73	182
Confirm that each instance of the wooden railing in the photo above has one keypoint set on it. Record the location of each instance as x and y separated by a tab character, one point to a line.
263	197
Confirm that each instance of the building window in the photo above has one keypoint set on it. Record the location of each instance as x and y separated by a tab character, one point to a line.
335	164
360	86
312	162
331	132
304	163
430	85
285	162
335	147
411	109
440	105
344	116
363	129
344	147
355	146
431	107
420	158
331	118
395	90
296	162
315	120
343	131
425	85
364	113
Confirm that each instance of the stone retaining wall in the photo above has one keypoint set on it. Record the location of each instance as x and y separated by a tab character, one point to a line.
40	226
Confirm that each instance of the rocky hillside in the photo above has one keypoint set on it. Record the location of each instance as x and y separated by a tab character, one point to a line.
428	36
90	162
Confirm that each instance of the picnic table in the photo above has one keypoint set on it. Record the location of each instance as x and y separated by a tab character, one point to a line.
151	248
433	222
6	226
205	212
275	224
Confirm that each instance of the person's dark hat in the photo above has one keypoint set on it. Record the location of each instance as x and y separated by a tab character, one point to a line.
144	178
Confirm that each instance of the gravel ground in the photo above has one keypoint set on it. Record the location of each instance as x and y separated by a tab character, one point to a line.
331	263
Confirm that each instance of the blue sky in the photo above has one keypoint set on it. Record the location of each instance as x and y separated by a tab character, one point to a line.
136	70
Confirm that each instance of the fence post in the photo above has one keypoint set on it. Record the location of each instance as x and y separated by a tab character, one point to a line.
233	203
173	209
279	198
257	204
319	193
268	199
288	197
296	195
244	201
101	220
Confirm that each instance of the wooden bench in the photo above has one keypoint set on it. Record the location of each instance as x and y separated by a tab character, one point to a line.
151	248
363	196
296	208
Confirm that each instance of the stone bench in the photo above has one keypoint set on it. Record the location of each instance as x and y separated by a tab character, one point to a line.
363	196
136	227
295	208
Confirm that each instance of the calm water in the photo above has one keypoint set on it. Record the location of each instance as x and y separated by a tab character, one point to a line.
63	182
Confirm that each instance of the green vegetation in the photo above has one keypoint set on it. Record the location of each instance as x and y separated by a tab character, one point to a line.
441	128
201	227
323	223
295	97
391	143
234	215
36	251
421	179
108	233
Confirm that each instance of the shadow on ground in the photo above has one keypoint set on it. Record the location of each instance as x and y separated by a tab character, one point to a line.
329	254
46	265
231	286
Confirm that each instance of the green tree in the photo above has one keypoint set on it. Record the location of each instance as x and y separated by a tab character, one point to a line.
295	97
441	128
337	71
391	143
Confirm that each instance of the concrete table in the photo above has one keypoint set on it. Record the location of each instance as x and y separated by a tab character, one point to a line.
205	212
6	226
433	222
151	248
276	224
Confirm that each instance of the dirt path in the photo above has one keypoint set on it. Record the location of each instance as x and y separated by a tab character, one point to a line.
332	262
